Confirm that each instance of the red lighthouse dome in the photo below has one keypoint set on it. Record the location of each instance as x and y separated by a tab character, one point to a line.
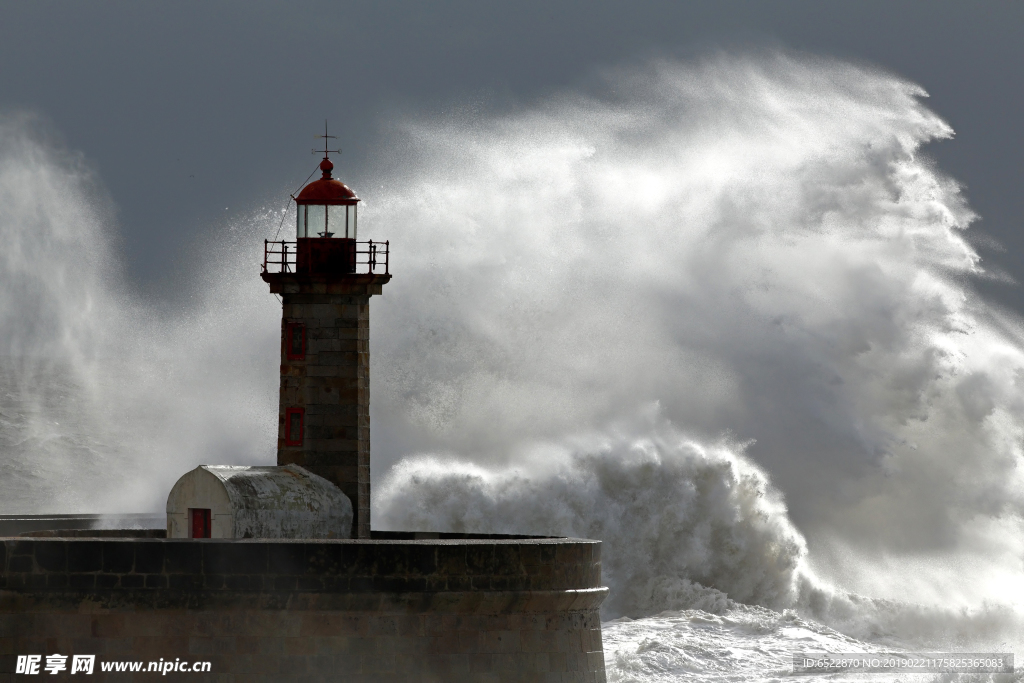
327	190
326	207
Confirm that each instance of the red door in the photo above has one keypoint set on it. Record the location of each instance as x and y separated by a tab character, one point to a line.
200	522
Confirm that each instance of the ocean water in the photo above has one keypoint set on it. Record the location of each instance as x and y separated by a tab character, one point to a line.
743	643
718	314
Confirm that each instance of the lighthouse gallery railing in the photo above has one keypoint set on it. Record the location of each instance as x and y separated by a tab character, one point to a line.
280	257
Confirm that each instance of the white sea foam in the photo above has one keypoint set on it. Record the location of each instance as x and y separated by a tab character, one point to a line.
743	643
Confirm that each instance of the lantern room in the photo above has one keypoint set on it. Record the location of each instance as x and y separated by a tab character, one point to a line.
326	208
326	228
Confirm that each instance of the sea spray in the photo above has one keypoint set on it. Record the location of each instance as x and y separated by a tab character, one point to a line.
55	267
106	397
758	246
672	513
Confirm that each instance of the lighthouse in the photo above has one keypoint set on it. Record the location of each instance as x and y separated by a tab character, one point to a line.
325	279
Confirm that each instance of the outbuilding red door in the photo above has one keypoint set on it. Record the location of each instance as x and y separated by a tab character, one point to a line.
200	522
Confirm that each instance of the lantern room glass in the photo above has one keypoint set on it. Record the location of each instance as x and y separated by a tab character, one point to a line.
316	220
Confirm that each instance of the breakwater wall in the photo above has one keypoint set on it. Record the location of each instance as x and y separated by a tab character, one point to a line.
396	607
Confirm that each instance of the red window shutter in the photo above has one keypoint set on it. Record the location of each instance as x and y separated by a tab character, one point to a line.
295	341
294	419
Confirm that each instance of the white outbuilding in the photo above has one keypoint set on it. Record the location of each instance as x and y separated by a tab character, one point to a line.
229	501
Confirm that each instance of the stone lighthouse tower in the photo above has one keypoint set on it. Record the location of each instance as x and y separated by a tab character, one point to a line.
325	279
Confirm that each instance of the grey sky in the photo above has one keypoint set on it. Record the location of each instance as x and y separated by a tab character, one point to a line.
186	108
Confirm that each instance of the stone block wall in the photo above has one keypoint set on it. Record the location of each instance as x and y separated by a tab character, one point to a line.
444	609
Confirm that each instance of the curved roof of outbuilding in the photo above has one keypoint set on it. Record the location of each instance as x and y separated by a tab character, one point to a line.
327	190
288	487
